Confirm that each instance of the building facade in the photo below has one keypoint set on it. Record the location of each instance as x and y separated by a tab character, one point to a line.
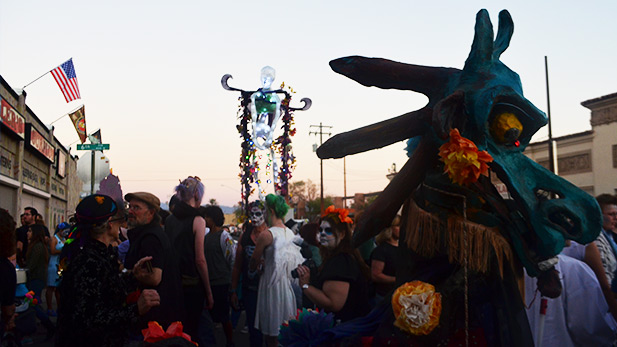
587	159
35	168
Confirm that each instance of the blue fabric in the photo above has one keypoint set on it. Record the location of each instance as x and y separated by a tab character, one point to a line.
21	290
123	249
366	325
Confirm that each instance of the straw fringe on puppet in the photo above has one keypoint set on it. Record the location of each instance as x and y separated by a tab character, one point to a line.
427	234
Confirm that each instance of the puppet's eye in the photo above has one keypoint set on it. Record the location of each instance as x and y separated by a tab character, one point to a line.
506	128
505	124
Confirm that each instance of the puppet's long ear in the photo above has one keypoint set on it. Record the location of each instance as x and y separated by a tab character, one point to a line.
504	34
482	46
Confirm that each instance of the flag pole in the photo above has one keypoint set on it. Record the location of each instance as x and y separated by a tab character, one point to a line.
66	114
24	87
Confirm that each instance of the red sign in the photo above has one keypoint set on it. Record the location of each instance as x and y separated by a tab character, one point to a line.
11	119
38	142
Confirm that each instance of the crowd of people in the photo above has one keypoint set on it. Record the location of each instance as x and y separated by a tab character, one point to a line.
121	264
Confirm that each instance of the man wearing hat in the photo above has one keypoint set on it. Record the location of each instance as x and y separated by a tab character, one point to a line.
96	310
147	239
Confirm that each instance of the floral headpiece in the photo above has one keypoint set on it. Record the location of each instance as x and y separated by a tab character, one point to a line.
342	214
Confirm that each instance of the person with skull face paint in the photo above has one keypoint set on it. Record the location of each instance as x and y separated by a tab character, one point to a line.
276	301
254	227
341	285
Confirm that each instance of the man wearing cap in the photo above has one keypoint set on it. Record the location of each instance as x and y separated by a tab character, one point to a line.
147	238
96	310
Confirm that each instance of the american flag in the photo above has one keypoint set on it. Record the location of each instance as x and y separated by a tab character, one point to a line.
67	80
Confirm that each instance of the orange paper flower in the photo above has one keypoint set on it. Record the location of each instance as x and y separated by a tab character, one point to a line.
417	307
463	162
155	333
341	212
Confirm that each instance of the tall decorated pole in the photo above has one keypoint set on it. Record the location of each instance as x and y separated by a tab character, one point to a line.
259	113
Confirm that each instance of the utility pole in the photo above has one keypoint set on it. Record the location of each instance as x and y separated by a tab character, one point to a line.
321	133
551	149
344	182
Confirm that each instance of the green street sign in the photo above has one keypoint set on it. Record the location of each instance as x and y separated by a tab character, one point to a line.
93	147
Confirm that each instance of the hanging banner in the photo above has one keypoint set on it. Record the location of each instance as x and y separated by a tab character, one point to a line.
79	121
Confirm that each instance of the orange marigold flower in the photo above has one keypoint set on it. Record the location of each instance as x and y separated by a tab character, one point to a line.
341	212
464	163
417	307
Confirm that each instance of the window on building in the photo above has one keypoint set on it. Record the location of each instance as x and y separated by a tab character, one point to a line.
615	156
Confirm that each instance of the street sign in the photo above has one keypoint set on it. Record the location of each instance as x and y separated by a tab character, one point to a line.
93	146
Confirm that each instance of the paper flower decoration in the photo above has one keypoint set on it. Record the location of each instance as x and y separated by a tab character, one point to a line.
155	332
31	299
306	328
464	163
417	307
341	212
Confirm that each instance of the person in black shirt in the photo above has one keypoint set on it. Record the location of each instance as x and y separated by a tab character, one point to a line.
96	310
186	231
28	218
383	259
7	273
341	284
147	239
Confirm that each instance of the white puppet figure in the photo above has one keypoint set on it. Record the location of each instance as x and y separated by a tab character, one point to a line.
265	110
265	113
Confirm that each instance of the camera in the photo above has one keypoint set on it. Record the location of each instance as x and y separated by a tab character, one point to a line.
310	263
307	255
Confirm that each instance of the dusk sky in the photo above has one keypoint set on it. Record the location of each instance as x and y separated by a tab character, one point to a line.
149	74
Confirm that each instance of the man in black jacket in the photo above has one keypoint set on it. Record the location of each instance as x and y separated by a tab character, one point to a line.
147	238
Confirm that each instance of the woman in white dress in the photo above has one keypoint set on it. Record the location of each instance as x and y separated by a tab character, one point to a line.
276	301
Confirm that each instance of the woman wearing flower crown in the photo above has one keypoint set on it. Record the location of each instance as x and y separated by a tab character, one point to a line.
341	284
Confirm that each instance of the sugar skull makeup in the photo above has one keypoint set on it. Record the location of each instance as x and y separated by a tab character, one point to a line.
257	216
326	235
